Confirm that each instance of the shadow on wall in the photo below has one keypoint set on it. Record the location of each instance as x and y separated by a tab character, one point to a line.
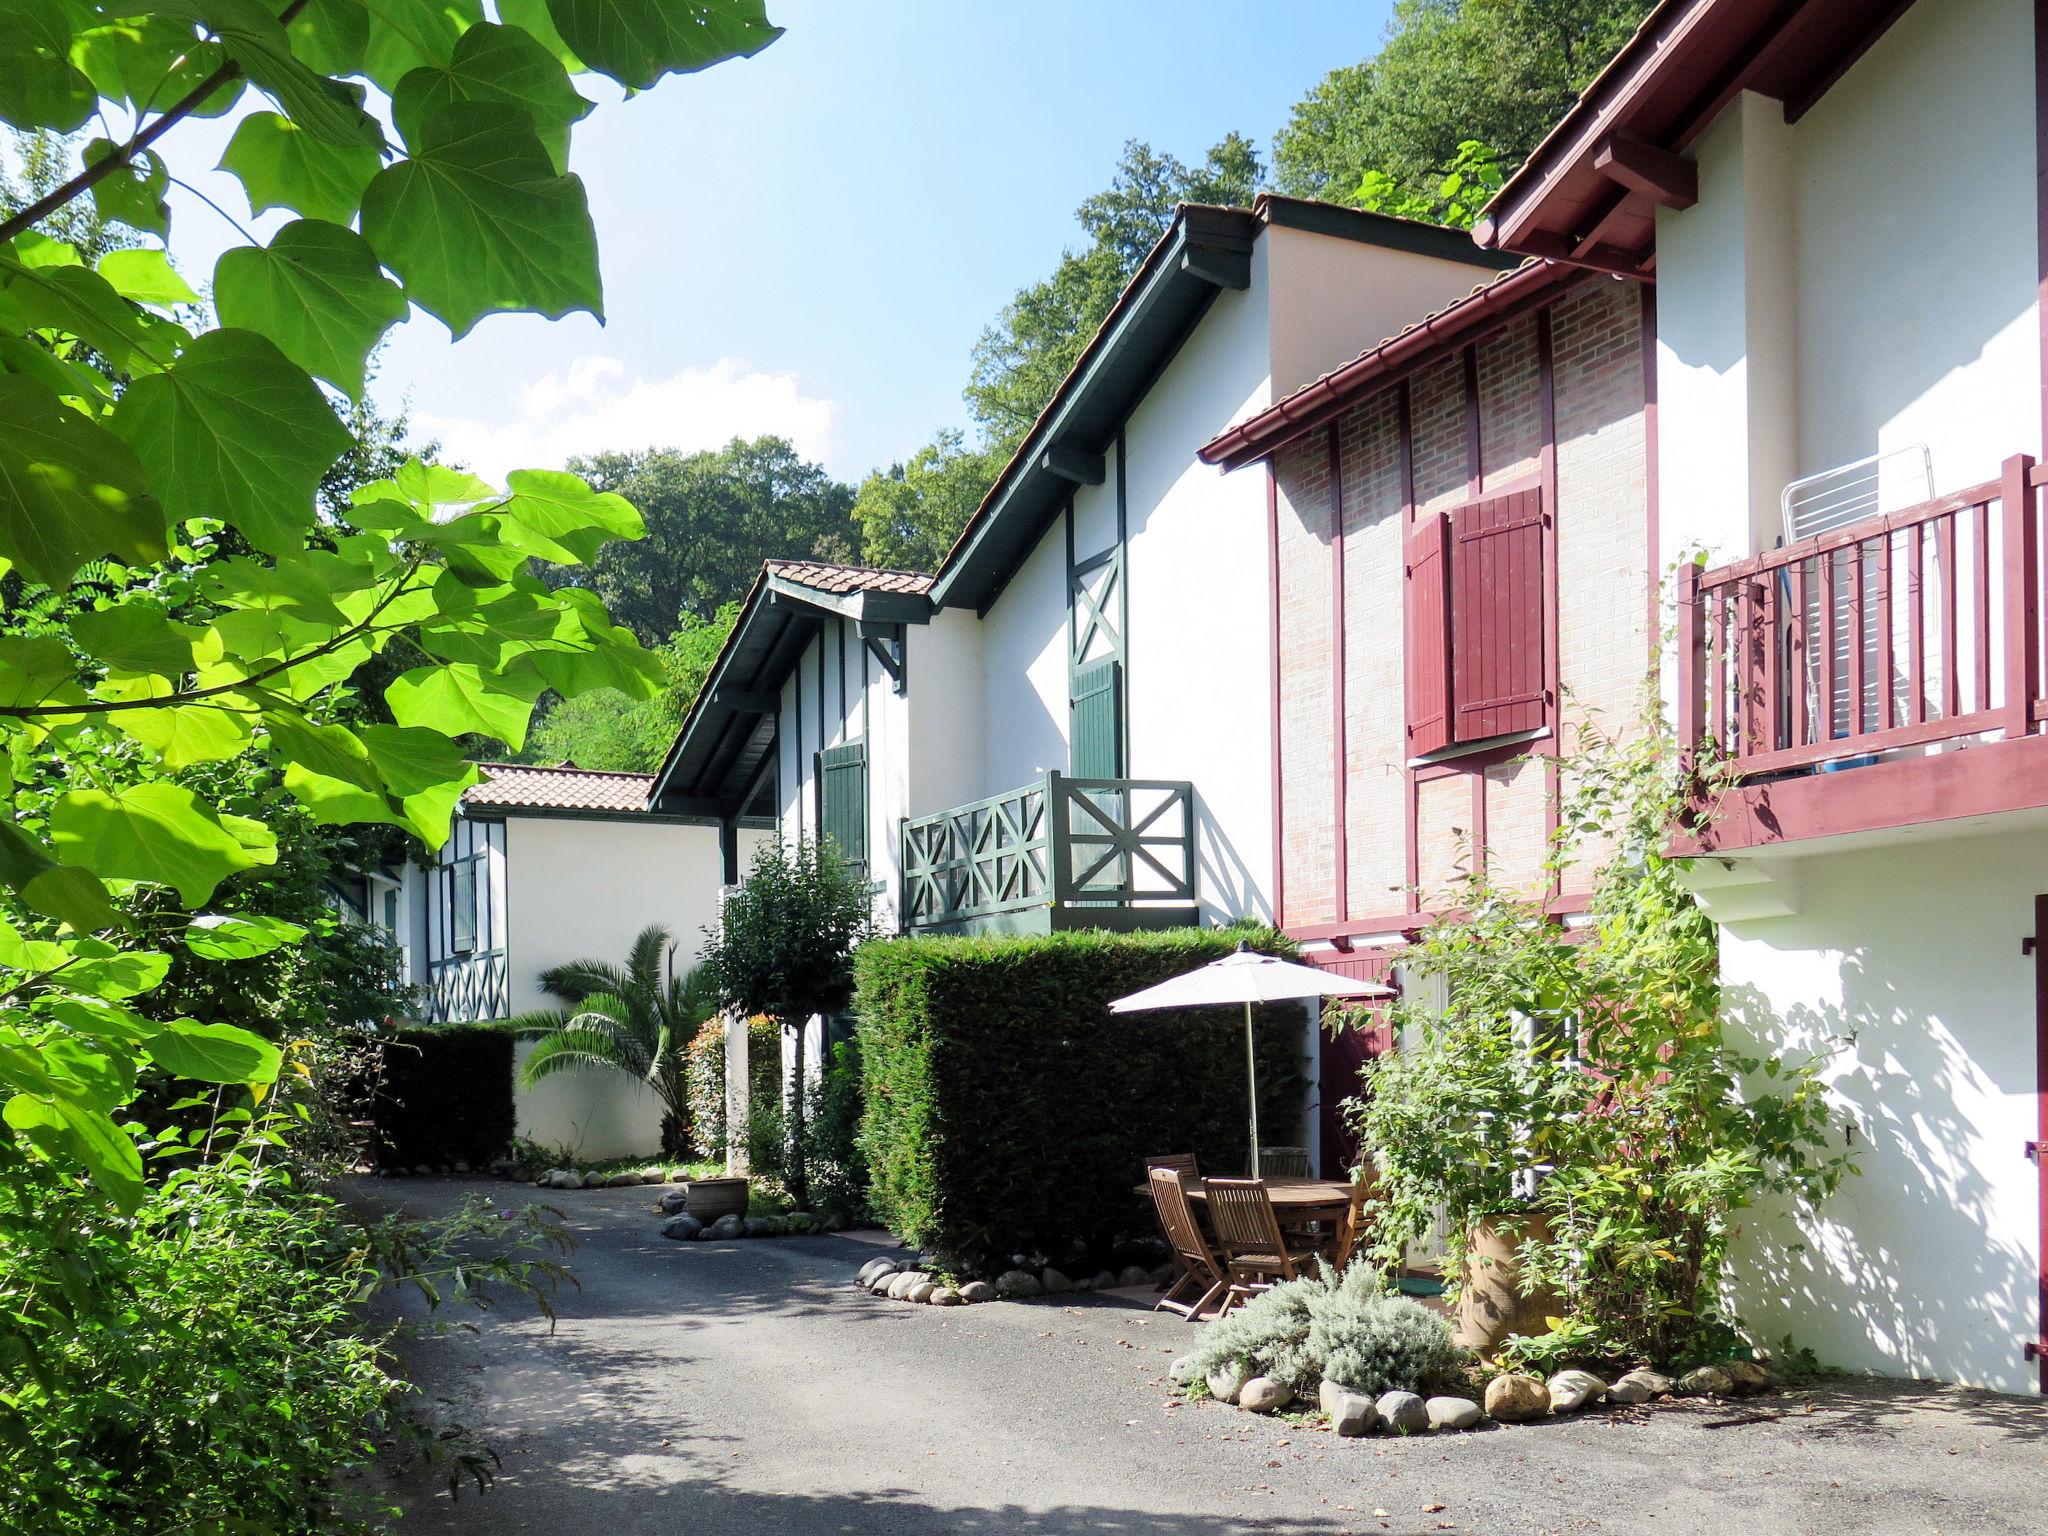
1224	883
1920	1266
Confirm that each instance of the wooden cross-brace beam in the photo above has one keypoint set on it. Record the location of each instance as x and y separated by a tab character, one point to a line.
1669	180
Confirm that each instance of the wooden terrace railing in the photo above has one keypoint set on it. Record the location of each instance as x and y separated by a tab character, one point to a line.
1058	842
1902	630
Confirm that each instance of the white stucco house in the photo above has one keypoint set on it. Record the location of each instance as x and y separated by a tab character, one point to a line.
1064	725
546	865
1839	206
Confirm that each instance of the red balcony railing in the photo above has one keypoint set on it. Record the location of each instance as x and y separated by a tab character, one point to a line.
1900	630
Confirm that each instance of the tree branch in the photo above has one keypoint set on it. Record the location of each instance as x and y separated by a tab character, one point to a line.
92	175
362	627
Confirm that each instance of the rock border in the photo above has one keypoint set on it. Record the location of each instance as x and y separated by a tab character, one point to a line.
1512	1397
1011	1285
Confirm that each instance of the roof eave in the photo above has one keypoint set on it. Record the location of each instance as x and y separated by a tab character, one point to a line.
1205	251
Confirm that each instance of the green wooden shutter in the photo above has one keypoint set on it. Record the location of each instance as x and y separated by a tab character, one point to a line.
843	800
1095	715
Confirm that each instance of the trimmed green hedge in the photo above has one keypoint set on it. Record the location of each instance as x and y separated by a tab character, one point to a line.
1007	1110
444	1096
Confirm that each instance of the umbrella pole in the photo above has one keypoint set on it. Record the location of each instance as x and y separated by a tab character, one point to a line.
1251	1075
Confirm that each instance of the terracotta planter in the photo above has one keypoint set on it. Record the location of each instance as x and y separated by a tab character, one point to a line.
710	1199
1492	1302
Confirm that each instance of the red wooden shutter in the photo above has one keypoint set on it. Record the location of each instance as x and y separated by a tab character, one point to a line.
1429	637
1498	671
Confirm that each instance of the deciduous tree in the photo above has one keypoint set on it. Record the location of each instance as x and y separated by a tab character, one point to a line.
1498	72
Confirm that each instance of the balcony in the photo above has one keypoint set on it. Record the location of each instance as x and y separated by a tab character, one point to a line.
1058	853
1841	677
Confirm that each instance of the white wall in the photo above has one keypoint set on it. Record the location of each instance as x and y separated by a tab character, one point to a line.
1199	683
1907	959
1330	298
1023	725
1860	281
1917	247
944	757
583	889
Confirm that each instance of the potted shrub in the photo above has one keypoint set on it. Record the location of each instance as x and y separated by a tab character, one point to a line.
1568	1104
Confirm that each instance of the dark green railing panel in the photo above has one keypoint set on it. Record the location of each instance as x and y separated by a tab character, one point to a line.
1063	841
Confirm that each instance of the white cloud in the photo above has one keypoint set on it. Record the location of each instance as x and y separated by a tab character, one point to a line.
593	406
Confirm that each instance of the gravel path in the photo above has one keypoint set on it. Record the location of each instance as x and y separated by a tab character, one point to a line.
747	1387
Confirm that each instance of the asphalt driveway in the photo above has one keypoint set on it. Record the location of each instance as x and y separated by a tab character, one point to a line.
748	1387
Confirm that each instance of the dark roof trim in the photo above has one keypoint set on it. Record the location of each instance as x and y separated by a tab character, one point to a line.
713	766
1381	229
1204	251
1314	405
1572	200
565	813
866	607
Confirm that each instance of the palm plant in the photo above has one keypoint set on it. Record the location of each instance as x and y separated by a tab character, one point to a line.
637	1019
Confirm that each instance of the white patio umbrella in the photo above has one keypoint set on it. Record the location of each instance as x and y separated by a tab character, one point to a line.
1247	978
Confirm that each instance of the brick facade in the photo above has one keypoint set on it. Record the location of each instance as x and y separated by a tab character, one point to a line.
1601	538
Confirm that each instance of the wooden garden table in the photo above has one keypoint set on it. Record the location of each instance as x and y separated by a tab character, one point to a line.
1294	1200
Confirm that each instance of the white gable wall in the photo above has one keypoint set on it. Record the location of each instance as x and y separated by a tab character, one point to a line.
583	889
1859	281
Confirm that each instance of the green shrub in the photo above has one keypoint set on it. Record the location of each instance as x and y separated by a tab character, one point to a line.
443	1095
838	1168
1007	1110
705	1072
1348	1329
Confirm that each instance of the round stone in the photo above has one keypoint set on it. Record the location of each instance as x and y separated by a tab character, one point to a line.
1453	1413
1515	1399
1262	1394
1403	1413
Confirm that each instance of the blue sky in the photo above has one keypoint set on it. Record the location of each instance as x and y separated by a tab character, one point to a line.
810	241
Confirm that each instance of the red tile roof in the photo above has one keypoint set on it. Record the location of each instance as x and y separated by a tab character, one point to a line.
524	786
820	576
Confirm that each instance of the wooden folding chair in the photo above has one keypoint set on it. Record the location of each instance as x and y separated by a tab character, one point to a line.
1351	1231
1283	1162
1183	1163
1255	1252
1198	1267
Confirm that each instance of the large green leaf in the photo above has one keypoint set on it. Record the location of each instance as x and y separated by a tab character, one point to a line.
280	165
333	751
636	42
477	221
405	34
39	87
159	832
533	18
132	193
36	670
502	64
456	698
76	302
236	430
61	1129
70	490
146	276
331	35
65	892
557	516
256	41
153	61
185	735
317	291
214	1053
239	935
137	635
